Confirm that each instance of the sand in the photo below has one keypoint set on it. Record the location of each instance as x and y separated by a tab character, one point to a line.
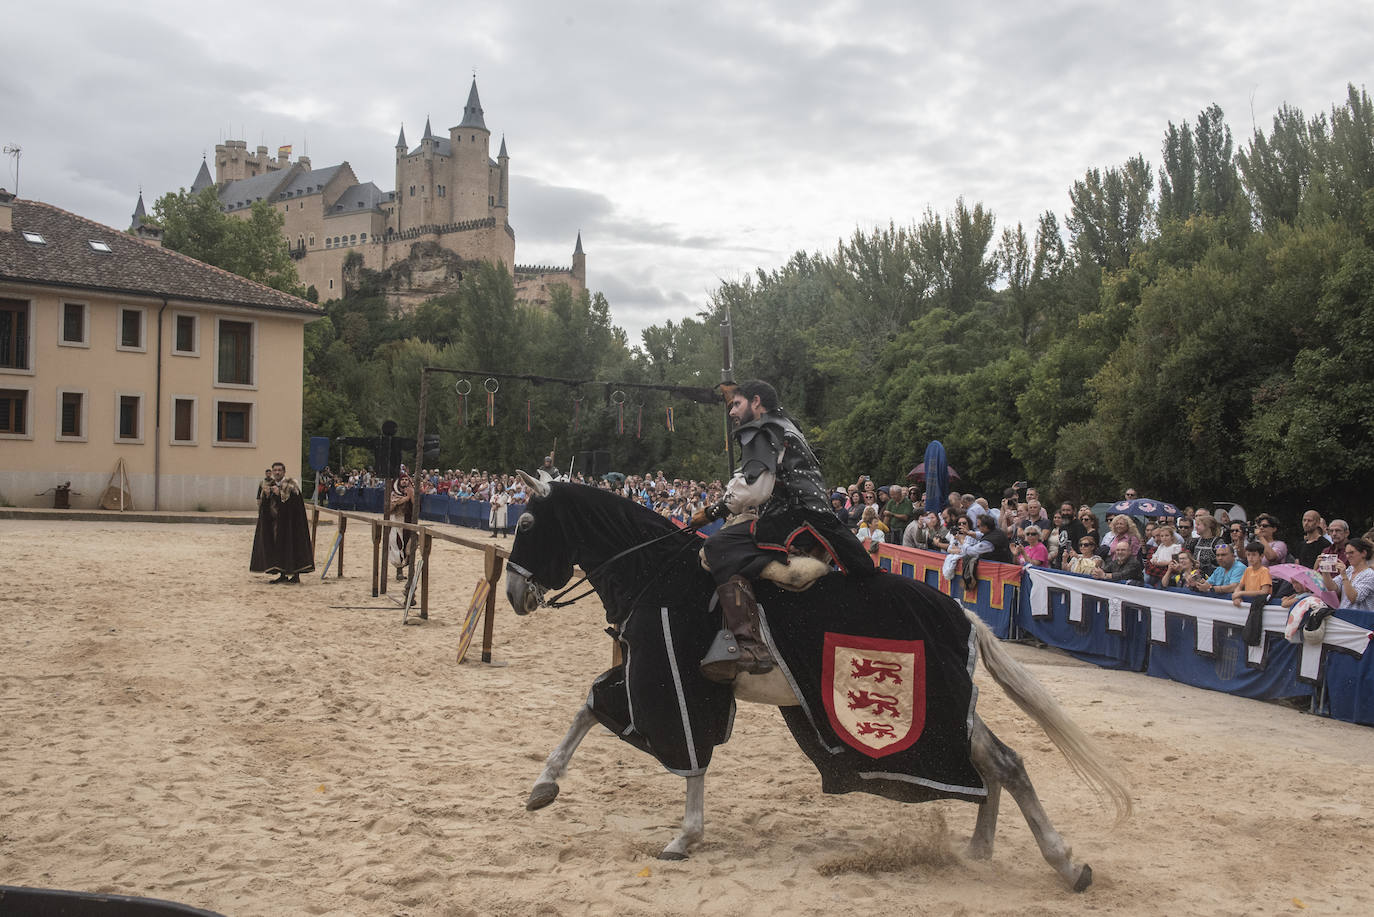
172	726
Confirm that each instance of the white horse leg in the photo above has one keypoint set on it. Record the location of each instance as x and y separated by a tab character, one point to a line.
693	821
545	788
996	762
985	831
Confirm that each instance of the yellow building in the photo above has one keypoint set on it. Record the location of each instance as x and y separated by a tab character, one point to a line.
112	347
449	193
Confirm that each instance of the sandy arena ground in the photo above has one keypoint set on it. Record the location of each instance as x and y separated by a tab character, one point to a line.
172	726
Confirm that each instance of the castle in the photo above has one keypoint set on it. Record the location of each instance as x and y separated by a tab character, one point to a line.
450	206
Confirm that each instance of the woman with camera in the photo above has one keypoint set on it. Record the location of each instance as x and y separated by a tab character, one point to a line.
1353	579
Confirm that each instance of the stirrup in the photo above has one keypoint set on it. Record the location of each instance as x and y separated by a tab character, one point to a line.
725	661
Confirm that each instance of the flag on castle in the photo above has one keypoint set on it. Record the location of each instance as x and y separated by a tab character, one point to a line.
284	152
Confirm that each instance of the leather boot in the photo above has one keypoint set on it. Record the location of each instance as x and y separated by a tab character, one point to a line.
739	647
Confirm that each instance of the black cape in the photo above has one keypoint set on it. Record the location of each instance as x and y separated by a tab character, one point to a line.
281	543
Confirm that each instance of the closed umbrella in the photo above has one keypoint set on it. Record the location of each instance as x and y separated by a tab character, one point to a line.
936	473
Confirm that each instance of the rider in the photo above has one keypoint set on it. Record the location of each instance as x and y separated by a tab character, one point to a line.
779	479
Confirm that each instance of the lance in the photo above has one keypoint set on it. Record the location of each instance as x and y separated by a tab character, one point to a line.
727	387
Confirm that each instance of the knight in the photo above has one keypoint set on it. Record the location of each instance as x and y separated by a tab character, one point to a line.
777	503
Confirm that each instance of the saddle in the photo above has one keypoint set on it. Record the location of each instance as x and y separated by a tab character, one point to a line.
796	574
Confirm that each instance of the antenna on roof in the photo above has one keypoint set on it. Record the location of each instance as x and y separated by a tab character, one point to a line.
14	150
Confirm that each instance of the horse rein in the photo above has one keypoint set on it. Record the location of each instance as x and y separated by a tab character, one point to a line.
558	601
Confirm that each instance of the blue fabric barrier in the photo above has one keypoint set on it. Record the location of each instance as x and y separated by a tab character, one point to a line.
1349	679
434	507
1227	667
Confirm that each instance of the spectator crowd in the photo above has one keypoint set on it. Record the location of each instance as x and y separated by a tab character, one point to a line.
1196	549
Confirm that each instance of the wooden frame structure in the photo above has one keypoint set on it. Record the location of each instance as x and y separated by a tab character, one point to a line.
496	558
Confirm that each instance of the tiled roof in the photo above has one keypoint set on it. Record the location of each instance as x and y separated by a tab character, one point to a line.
442	145
242	192
310	181
132	266
366	196
472	112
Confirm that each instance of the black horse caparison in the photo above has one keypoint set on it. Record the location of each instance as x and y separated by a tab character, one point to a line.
568	525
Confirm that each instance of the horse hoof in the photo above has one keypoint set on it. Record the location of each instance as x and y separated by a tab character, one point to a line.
1085	878
541	795
978	852
672	855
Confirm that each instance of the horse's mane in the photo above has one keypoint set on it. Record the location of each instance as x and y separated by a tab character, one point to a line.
603	522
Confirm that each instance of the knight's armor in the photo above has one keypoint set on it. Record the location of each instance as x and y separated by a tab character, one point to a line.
773	443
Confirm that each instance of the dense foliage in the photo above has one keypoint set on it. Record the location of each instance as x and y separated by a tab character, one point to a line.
1203	331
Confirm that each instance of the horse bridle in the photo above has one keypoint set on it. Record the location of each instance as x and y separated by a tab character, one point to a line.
558	601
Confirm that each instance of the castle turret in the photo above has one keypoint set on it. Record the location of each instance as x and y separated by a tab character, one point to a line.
401	141
203	179
503	163
579	270
474	176
139	214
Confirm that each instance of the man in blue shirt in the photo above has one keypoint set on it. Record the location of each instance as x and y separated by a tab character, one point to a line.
1225	579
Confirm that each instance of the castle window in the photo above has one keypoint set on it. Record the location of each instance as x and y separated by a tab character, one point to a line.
353	238
328	242
491	201
301	205
412	190
362	237
312	240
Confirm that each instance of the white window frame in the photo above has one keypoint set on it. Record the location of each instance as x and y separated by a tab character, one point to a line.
142	402
85	324
252	363
142	329
58	435
28	411
195	420
195	334
31	357
252	442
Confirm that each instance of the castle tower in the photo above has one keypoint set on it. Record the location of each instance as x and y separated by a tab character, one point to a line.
579	270
139	214
470	185
502	185
203	179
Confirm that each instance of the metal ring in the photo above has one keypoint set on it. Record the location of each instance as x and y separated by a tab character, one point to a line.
615	400
458	387
491	386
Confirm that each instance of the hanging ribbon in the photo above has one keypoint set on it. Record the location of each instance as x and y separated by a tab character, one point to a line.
639	422
619	403
462	387
669	424
527	415
491	386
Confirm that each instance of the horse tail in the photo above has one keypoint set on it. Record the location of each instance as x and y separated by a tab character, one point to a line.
1089	762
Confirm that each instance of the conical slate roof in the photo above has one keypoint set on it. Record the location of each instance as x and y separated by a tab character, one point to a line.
203	179
401	140
472	112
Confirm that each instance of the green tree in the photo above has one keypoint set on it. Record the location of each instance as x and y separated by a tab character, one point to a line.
1111	213
194	225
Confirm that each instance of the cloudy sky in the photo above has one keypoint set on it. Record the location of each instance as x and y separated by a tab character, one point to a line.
689	142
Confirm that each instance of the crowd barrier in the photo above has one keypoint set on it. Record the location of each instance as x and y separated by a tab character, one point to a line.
1166	633
473	514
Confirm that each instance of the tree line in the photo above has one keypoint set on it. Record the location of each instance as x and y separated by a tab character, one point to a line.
1199	330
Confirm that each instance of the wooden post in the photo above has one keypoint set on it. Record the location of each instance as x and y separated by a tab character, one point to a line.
343	527
386	533
425	544
376	554
494	566
314	525
420	430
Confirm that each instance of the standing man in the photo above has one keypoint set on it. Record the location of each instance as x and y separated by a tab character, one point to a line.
779	479
281	544
899	511
1314	540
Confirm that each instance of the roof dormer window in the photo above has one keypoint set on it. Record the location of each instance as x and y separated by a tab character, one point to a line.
98	246
35	237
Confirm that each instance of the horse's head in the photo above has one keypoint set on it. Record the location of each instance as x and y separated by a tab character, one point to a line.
541	557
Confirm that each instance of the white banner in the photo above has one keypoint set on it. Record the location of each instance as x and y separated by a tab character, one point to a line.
1207	611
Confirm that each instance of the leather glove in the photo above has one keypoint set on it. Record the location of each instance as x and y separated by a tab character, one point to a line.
700	518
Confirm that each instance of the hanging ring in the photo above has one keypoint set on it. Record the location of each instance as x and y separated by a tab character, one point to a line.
617	400
491	386
458	387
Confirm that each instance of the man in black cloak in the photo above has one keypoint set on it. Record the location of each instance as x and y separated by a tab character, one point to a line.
779	489
281	544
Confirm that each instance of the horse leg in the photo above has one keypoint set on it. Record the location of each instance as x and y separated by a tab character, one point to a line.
545	788
998	763
693	821
985	831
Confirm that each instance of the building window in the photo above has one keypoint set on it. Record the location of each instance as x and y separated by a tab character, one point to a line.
130	329
184	420
412	190
233	422
312	240
185	335
14	334
362	237
328	242
331	283
128	418
71	415
14	405
74	325
353	238
235	353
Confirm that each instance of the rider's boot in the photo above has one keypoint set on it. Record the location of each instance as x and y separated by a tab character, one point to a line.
739	648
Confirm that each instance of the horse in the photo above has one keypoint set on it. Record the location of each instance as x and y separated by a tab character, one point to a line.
643	568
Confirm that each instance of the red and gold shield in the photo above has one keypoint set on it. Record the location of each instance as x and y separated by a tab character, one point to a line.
875	691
